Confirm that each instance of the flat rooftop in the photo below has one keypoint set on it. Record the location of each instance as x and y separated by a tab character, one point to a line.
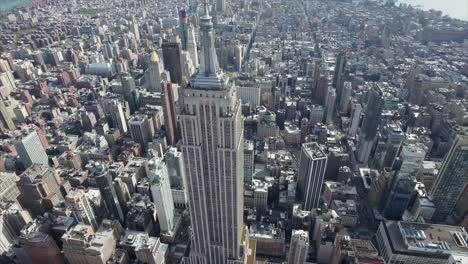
433	240
313	150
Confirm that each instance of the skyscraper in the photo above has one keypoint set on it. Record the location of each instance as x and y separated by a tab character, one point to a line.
36	245
187	37
31	151
392	137
153	73
220	5
192	46
312	166
330	105
299	247
170	117
104	182
6	119
356	110
402	186
345	97
212	147
183	25
8	189
339	69
177	178
452	179
161	191
81	208
40	189
117	115
172	59
129	91
135	28
140	130
249	165
370	124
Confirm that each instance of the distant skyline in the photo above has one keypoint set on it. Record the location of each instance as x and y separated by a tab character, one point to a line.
453	8
10	4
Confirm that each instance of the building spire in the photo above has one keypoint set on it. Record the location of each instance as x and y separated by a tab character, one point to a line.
209	61
206	8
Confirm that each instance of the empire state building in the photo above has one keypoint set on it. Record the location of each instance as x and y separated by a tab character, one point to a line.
212	147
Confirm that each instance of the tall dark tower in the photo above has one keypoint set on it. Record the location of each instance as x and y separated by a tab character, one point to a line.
452	179
172	59
183	31
106	187
370	124
339	69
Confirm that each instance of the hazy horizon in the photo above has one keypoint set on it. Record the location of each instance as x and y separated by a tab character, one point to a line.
453	8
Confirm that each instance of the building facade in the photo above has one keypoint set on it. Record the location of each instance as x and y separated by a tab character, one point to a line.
370	124
452	179
299	247
31	151
212	147
312	167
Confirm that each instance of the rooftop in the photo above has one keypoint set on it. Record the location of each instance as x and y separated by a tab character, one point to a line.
436	240
314	151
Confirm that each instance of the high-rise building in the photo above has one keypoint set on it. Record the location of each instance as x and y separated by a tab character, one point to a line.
135	28
345	96
212	147
129	90
402	186
6	118
81	208
339	69
452	179
172	59
170	117
8	189
239	54
144	248
410	242
312	167
36	245
75	242
250	95
249	165
412	155
140	130
192	46
12	219
104	182
153	73
183	27
299	247
187	67
39	188
162	196
176	172
392	137
330	105
370	124
31	151
356	111
117	115
141	215
82	245
220	6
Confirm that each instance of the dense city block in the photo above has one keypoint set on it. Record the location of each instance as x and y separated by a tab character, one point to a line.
232	132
